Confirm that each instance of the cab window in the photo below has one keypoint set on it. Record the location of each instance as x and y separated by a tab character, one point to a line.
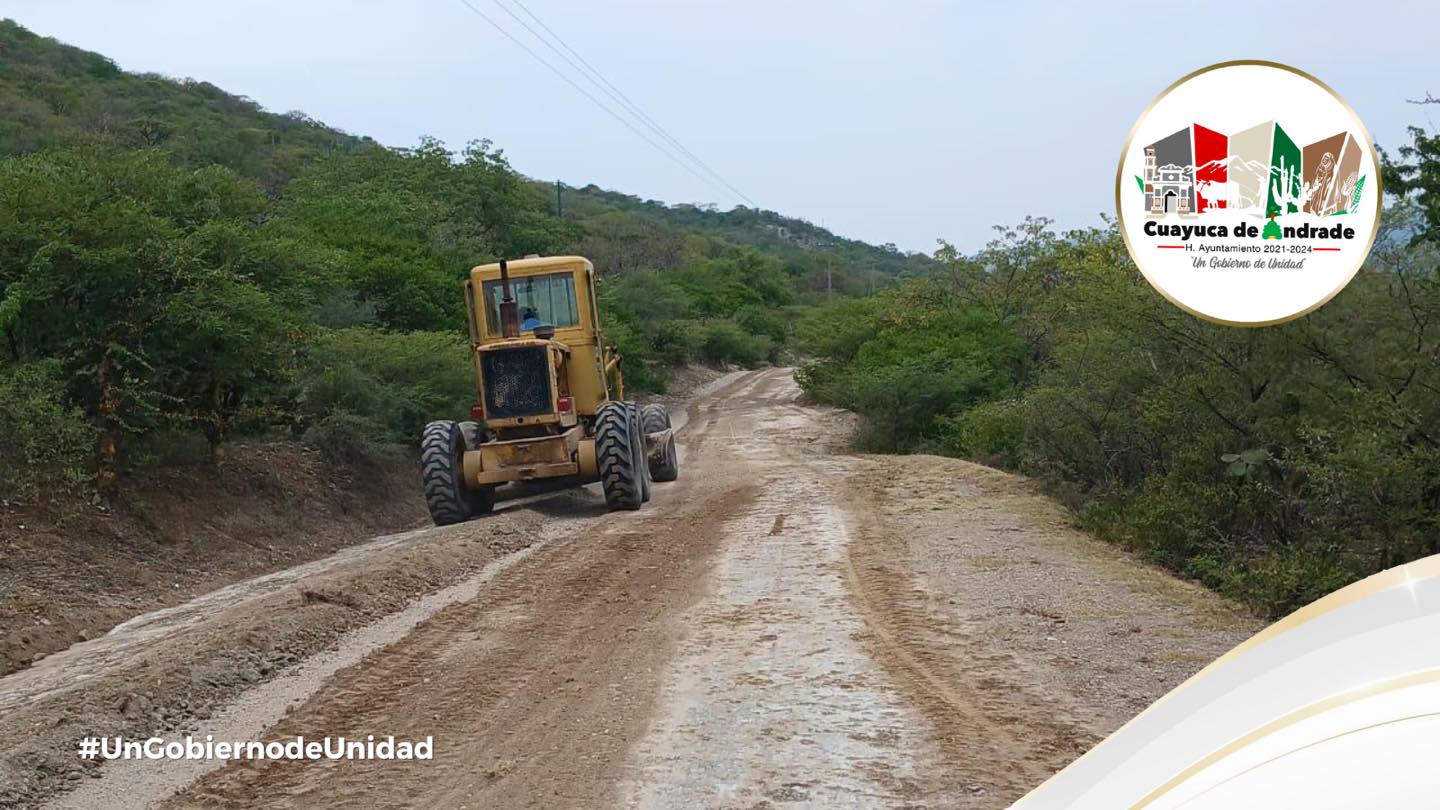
547	300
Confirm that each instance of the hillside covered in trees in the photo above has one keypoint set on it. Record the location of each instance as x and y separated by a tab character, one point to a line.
179	266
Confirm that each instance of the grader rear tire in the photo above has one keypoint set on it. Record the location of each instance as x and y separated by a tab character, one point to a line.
442	447
622	472
654	419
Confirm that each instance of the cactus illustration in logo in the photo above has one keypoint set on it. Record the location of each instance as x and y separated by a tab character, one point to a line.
1355	195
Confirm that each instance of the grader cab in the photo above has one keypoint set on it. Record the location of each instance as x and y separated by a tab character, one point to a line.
550	403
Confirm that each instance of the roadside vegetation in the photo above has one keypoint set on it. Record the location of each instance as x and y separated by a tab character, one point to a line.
179	268
1272	464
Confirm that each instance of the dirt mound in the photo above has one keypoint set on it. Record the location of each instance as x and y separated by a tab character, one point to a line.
71	569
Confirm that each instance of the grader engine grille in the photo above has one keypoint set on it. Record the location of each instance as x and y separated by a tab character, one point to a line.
517	382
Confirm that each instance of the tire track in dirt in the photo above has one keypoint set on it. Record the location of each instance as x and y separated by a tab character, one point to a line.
998	745
186	666
247	717
772	700
180	669
535	690
1023	641
532	700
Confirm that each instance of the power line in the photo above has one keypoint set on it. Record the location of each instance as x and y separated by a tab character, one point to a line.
582	91
631	106
598	79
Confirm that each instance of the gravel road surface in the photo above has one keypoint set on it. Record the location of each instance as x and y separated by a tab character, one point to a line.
788	625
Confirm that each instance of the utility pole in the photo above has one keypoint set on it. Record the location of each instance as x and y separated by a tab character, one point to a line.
829	270
559	205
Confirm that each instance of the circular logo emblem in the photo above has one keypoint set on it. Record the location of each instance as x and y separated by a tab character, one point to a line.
1249	193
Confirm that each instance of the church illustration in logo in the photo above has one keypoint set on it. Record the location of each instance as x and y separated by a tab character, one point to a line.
1258	171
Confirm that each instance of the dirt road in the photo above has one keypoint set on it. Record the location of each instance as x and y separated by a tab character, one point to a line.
787	625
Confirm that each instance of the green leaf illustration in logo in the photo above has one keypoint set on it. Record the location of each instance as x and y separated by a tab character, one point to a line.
1139	182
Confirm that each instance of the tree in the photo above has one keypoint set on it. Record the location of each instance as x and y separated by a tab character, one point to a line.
107	265
1419	175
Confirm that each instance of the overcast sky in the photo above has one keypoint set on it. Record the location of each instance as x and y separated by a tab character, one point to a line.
900	122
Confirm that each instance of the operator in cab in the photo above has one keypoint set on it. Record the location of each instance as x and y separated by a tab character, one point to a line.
530	320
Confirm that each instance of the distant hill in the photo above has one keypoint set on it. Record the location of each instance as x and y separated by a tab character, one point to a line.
854	267
52	94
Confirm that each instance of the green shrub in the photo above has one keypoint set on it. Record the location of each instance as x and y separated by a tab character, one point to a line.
44	441
838	330
361	385
825	381
1275	582
991	431
644	297
637	362
724	341
675	343
911	380
352	439
763	322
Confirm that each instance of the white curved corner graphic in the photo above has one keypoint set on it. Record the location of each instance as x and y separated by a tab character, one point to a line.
1334	706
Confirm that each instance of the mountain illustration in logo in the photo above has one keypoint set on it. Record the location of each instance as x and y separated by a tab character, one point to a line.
1258	171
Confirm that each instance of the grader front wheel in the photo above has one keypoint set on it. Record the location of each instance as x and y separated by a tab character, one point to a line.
442	450
442	446
622	471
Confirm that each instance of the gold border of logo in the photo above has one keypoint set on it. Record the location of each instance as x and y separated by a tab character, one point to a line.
1369	144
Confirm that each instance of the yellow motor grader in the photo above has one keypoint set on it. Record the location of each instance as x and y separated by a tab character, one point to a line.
550	399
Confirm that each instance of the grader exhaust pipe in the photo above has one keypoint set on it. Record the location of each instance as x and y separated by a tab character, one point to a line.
509	308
